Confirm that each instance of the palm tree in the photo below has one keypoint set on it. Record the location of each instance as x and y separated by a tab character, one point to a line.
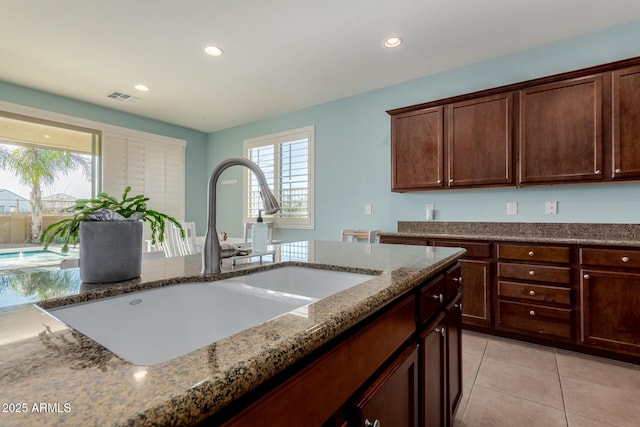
36	167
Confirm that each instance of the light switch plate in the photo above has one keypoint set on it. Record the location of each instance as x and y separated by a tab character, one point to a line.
551	208
512	208
367	209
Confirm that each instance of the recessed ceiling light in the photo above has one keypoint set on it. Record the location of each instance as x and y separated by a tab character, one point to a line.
142	88
213	50
393	41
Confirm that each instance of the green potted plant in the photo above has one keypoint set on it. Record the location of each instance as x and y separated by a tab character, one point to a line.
109	232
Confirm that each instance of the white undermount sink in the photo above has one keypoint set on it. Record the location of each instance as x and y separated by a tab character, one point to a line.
156	325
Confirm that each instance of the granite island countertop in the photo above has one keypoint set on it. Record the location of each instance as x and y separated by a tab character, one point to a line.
557	233
52	375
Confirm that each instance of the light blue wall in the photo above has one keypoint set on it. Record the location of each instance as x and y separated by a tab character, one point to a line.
353	165
196	151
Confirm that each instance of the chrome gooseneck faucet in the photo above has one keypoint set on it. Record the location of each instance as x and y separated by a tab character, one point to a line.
211	250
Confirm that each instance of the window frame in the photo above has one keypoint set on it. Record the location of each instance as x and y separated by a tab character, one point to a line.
276	140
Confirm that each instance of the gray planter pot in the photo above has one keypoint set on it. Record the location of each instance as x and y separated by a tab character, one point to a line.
110	251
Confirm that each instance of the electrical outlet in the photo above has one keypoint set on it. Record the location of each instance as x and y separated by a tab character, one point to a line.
430	210
551	208
512	208
367	209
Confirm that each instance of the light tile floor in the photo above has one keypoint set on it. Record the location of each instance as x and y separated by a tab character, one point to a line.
509	383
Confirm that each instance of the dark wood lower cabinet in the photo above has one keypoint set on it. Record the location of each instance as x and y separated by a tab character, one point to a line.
579	297
392	400
454	356
611	309
433	378
477	292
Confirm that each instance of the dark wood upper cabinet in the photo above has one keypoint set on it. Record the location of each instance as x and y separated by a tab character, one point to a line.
560	126
479	141
417	149
626	117
578	126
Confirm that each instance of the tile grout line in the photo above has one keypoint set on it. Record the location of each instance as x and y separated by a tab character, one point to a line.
473	385
564	403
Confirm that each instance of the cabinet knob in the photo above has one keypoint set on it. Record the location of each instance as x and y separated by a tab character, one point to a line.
440	331
586	276
439	181
439	297
368	423
532	293
625	259
618	170
458	306
598	172
457	279
531	273
531	253
532	313
450	179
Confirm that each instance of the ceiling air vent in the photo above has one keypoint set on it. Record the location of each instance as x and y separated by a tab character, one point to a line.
121	96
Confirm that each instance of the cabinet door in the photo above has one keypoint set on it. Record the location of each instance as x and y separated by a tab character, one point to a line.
416	149
626	116
610	310
392	400
479	141
433	378
560	136
476	276
454	357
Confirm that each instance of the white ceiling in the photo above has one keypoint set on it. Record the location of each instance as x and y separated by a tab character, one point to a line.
279	55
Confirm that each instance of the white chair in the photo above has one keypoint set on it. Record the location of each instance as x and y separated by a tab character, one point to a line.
176	245
369	236
247	231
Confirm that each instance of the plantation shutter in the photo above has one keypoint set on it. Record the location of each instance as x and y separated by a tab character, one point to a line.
152	165
294	179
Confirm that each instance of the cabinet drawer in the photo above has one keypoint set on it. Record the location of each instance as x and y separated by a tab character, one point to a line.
534	253
430	299
540	293
610	257
535	318
474	249
538	273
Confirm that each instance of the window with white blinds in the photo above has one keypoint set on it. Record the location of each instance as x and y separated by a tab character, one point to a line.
286	158
151	164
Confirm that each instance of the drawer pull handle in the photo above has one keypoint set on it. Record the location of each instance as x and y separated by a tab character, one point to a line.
531	273
586	276
618	170
440	331
438	297
625	259
532	313
532	293
598	172
368	423
531	253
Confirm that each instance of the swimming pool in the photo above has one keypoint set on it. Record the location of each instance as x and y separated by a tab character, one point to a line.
32	254
26	260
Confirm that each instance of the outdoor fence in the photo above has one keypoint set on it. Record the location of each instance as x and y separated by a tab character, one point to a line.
16	227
